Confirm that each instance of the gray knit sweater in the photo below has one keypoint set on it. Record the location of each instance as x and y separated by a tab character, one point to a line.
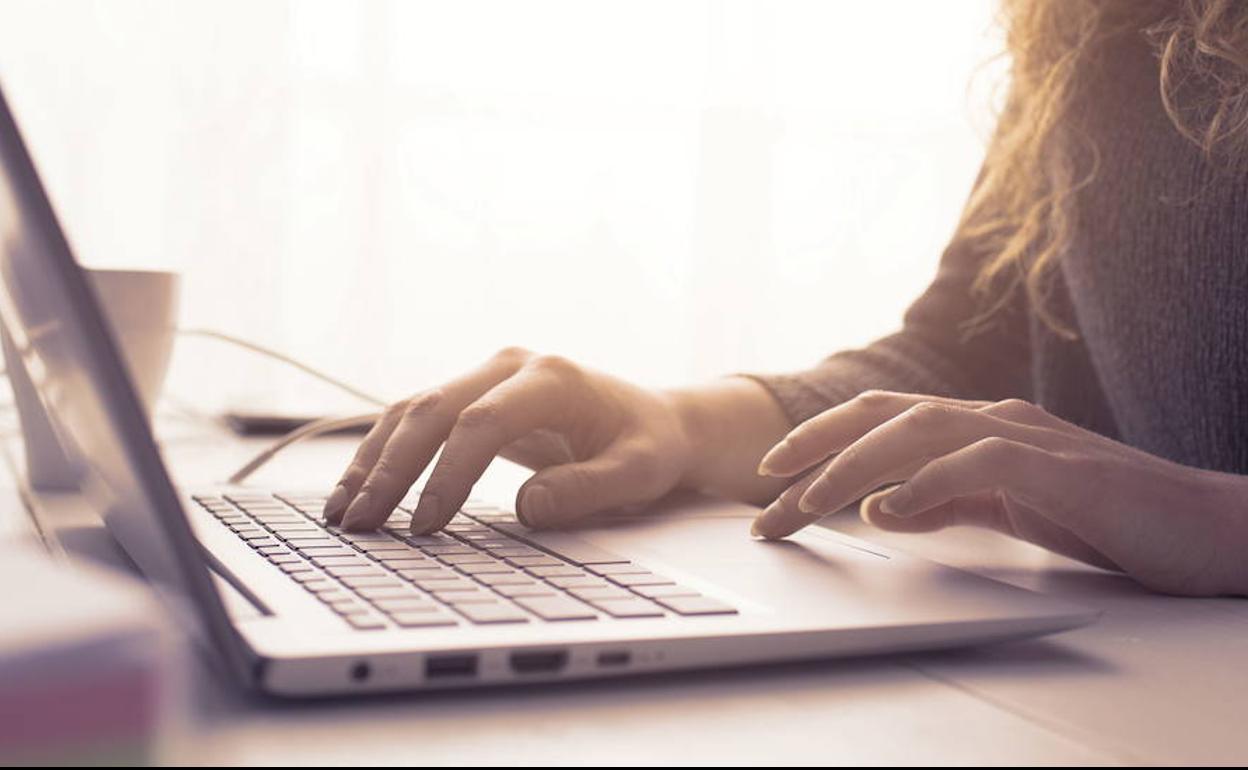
1155	282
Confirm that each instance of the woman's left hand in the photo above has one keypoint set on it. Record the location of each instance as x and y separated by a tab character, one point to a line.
1013	467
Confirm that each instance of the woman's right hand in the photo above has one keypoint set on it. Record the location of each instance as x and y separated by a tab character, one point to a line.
596	443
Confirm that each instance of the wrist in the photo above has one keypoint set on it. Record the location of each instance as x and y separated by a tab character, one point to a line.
728	425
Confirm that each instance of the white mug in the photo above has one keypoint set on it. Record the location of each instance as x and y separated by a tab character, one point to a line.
142	308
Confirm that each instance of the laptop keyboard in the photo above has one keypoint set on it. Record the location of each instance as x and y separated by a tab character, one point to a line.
479	570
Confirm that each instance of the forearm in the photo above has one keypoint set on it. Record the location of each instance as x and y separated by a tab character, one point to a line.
730	424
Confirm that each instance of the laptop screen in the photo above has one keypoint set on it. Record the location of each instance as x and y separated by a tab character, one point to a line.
56	328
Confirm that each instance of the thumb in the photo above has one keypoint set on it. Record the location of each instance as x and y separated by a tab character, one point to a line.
621	475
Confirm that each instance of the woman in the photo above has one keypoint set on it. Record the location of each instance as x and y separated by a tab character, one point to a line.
1076	375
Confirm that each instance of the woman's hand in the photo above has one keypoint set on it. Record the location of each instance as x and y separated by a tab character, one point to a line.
1014	467
599	443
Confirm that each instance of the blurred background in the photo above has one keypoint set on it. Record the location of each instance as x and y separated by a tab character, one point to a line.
392	190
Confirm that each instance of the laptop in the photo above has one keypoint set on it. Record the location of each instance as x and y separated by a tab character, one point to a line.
297	609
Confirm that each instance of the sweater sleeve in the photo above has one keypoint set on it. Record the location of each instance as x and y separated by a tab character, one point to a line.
933	353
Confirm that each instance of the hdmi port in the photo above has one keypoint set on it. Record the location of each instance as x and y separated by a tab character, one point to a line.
539	662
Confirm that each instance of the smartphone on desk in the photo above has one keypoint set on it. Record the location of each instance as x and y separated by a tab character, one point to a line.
271	423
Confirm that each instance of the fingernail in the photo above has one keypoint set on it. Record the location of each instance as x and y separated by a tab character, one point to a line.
426	514
759	528
767	466
814	500
336	503
537	504
358	509
895	502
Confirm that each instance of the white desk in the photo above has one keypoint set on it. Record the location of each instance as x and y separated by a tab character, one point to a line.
1157	680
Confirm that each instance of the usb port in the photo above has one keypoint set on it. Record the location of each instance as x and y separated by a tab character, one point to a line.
450	666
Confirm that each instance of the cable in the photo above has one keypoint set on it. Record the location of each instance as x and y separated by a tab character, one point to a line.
325	425
310	430
271	353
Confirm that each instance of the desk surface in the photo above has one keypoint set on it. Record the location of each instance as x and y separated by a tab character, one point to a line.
1157	680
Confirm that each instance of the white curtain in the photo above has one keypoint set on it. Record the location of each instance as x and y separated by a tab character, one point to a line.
391	190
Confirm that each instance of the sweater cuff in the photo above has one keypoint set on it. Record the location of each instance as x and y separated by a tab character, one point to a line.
798	396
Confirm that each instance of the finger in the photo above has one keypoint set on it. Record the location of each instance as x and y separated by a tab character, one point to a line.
1037	478
783	517
365	456
897	448
989	508
423	424
980	510
539	449
537	397
623	474
830	432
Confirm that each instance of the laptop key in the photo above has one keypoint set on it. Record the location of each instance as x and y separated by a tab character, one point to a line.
511	578
492	613
458	559
486	568
669	589
603	592
438	572
560	570
428	540
474	596
556	607
696	605
578	581
534	561
385	592
310	538
413	603
444	584
284	558
323	587
282	528
511	549
365	537
301	566
365	571
341	561
366	622
326	550
532	588
372	581
384	546
640	579
634	607
352	607
447	550
405	560
623	568
423	619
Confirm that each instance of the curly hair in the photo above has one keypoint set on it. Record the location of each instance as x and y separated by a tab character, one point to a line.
1020	213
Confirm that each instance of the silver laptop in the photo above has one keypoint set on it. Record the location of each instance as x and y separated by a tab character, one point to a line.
298	609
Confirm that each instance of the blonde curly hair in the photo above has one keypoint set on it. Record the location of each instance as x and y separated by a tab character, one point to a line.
1020	212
